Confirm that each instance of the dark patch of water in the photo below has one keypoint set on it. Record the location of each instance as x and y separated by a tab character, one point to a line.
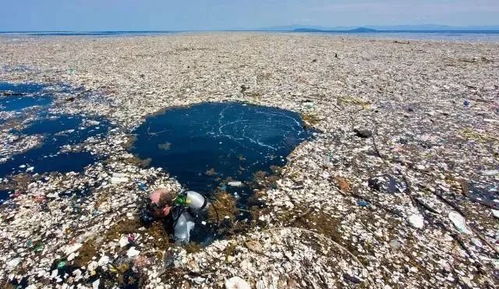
20	88
203	144
487	195
209	144
57	131
11	103
4	195
16	97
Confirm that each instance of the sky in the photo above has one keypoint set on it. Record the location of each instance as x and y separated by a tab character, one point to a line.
94	15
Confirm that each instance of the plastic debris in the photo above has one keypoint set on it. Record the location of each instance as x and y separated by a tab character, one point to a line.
490	172
103	261
61	264
416	220
235	184
236	283
459	222
124	241
387	184
132	252
182	230
118	178
435	143
72	248
362	203
95	284
13	263
363	133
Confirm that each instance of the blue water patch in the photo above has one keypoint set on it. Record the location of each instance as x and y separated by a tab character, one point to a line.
11	103
16	97
7	88
205	145
4	195
57	131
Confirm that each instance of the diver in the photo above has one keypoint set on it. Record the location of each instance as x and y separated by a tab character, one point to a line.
178	211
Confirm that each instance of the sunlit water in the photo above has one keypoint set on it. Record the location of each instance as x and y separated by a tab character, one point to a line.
57	131
208	145
205	144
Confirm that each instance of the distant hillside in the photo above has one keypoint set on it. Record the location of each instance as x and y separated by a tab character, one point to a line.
355	30
375	28
362	30
308	30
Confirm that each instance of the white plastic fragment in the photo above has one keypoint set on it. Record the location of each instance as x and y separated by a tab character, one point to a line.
416	220
490	172
459	222
119	178
495	213
235	184
71	256
73	248
104	260
132	252
123	241
95	284
236	283
13	263
92	266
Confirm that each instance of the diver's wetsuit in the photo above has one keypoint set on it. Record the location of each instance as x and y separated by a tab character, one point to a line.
147	215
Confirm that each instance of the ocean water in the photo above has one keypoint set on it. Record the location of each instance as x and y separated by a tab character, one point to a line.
451	36
57	131
436	35
205	145
208	145
16	97
85	33
4	195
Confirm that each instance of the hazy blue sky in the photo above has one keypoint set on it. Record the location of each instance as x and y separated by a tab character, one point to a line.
236	14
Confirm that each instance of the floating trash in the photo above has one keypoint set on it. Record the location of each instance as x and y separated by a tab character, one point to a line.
387	184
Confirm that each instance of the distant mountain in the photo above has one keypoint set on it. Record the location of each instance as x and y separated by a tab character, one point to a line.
293	28
432	27
354	30
378	28
308	30
362	30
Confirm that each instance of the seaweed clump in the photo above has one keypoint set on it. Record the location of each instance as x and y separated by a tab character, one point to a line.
223	208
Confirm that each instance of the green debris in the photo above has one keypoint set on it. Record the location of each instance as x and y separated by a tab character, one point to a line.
61	264
471	134
38	247
352	100
310	119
